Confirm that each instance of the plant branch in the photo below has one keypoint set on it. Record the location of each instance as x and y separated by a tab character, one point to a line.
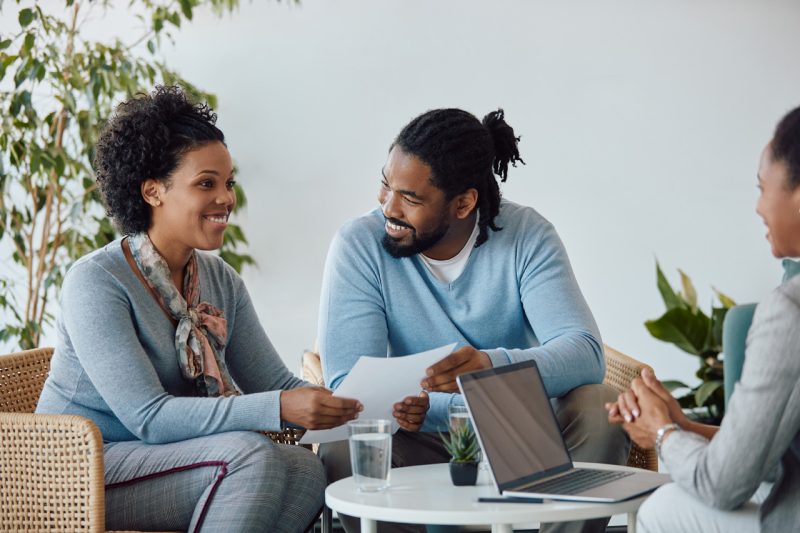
146	36
34	312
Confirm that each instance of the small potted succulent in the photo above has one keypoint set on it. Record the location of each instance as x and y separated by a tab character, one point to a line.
463	447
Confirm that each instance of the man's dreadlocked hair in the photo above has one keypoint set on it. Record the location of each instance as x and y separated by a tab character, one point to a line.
464	153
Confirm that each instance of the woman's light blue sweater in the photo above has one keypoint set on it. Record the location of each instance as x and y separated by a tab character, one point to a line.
115	360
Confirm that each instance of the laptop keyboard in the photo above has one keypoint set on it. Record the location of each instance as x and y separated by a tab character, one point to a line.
576	481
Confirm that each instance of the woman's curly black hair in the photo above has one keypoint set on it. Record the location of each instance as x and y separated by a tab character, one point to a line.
146	138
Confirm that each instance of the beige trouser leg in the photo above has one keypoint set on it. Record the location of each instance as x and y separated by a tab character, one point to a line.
589	437
408	449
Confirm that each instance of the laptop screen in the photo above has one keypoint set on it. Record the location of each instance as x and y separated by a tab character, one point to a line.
515	423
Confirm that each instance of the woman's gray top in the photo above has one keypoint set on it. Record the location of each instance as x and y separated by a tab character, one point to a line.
760	434
115	361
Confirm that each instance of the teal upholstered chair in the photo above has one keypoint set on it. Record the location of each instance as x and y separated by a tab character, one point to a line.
734	333
734	337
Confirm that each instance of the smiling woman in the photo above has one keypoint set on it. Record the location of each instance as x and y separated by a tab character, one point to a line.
745	474
160	346
191	210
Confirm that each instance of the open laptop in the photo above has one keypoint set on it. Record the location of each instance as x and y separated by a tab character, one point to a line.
519	434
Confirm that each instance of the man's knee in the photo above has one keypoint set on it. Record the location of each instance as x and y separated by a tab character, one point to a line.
336	460
584	399
584	423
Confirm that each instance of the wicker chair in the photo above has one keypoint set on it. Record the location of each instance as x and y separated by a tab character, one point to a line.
51	466
620	371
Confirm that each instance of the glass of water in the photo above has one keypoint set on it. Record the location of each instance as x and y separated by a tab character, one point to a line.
370	453
458	416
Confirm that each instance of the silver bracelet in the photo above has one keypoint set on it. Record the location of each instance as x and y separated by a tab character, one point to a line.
661	433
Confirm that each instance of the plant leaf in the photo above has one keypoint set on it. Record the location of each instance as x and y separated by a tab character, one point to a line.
25	17
725	300
671	300
689	293
705	391
679	326
673	385
714	343
186	8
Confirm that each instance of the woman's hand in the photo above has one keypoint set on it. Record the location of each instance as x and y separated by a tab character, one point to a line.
626	408
410	413
317	408
654	413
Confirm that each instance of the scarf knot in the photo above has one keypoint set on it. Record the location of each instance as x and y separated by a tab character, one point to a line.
202	331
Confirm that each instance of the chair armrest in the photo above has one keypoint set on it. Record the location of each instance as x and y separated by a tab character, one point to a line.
734	340
312	368
287	436
620	371
51	473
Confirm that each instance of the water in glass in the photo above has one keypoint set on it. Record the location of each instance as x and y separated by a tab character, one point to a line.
371	453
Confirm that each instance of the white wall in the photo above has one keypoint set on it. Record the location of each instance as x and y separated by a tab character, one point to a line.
641	124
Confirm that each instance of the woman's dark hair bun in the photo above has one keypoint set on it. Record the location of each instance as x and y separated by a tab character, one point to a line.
785	146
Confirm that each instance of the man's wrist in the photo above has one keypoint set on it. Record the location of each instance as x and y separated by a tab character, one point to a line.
497	356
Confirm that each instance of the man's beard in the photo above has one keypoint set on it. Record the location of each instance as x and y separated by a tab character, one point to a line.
419	243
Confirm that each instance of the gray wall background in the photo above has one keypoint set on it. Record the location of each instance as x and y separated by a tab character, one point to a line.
641	124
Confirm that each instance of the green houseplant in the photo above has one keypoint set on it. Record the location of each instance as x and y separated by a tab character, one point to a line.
57	87
462	445
690	329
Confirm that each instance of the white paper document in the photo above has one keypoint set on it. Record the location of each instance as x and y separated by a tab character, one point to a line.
379	383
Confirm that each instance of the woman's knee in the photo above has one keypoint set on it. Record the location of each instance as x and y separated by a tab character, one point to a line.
657	512
252	455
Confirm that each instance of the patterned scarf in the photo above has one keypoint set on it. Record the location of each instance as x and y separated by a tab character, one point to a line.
202	330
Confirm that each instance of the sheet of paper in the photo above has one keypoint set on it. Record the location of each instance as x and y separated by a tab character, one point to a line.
379	382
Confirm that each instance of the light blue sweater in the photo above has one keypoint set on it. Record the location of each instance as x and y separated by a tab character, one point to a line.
115	360
517	299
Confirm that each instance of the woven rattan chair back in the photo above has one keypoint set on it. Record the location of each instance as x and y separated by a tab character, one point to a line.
620	371
22	377
51	466
51	477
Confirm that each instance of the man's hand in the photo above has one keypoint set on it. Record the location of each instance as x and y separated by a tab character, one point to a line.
317	408
442	375
410	413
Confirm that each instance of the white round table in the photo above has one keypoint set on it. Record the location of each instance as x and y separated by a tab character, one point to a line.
425	495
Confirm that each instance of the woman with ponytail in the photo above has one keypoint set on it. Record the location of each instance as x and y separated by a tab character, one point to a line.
444	259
